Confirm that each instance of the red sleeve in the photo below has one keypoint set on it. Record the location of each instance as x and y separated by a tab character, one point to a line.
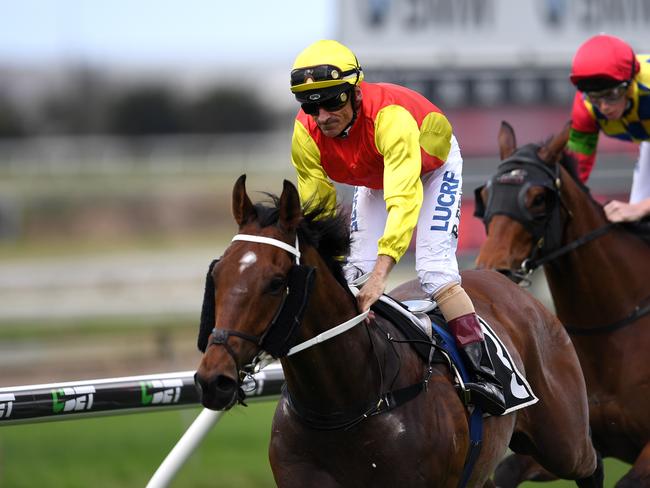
583	138
585	164
582	119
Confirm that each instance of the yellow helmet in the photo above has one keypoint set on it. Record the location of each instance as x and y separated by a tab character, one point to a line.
323	70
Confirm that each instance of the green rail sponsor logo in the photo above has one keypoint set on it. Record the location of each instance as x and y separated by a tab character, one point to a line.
161	392
6	404
73	399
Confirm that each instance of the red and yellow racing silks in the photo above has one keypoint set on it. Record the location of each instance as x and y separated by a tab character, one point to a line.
398	135
587	122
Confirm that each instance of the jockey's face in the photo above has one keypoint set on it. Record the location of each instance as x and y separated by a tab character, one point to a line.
332	123
611	103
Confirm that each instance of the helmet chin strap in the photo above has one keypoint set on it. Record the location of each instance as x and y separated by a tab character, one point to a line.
346	131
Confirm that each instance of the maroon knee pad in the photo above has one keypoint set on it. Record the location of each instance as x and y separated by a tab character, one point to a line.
466	329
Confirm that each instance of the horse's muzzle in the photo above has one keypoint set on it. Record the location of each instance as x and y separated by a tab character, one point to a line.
219	393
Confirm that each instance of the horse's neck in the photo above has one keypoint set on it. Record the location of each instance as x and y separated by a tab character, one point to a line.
600	281
341	371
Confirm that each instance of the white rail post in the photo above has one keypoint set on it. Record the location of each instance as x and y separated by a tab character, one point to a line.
184	448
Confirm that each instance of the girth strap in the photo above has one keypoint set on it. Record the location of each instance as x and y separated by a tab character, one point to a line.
387	402
475	442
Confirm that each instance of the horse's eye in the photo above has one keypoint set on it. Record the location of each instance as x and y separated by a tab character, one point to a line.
538	200
276	285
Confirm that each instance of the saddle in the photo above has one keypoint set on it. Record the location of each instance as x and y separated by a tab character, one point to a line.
416	327
421	322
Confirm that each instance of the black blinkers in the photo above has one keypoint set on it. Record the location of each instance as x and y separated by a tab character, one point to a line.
507	191
282	332
207	310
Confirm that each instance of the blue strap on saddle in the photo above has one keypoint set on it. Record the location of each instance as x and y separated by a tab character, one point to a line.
449	345
476	418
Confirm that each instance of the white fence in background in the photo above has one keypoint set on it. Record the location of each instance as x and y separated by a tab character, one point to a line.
111	396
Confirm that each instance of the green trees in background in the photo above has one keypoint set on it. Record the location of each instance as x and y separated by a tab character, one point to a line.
228	110
146	110
11	121
87	104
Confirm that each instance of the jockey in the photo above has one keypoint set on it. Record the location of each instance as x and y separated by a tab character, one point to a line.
399	152
613	97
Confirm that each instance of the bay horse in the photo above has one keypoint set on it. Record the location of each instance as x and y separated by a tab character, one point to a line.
334	426
537	212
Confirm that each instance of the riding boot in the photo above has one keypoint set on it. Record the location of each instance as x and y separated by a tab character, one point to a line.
486	390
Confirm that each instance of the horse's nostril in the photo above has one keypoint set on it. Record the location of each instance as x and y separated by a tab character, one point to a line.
224	383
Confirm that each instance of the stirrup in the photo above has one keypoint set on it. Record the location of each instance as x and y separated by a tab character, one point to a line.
479	394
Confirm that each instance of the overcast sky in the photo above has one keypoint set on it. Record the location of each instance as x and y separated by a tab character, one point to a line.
160	31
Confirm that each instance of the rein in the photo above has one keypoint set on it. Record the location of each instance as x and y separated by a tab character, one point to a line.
295	250
636	314
530	264
385	402
514	175
220	336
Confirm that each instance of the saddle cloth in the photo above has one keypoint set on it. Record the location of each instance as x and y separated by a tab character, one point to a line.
516	390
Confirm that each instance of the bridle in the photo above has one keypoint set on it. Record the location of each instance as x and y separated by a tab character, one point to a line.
514	177
507	191
279	337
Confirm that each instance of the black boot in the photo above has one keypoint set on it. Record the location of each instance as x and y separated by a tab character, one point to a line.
486	390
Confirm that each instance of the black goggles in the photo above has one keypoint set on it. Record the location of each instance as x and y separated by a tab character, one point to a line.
323	72
331	104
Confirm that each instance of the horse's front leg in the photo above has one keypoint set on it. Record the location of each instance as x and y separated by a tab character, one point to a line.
639	475
517	468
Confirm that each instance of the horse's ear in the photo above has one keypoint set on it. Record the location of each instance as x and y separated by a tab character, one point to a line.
242	207
507	140
552	150
290	211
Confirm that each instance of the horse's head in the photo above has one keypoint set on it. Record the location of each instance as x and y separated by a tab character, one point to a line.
254	295
257	293
521	204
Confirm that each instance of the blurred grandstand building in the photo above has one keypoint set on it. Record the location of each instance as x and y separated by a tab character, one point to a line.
484	52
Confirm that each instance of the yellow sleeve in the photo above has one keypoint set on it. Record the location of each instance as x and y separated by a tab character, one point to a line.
435	135
397	139
314	187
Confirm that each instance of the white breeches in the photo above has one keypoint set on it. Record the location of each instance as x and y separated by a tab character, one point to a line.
641	177
437	228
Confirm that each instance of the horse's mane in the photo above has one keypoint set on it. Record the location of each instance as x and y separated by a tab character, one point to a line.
327	231
570	164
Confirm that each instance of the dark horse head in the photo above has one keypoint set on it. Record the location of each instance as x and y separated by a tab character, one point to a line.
522	204
257	292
